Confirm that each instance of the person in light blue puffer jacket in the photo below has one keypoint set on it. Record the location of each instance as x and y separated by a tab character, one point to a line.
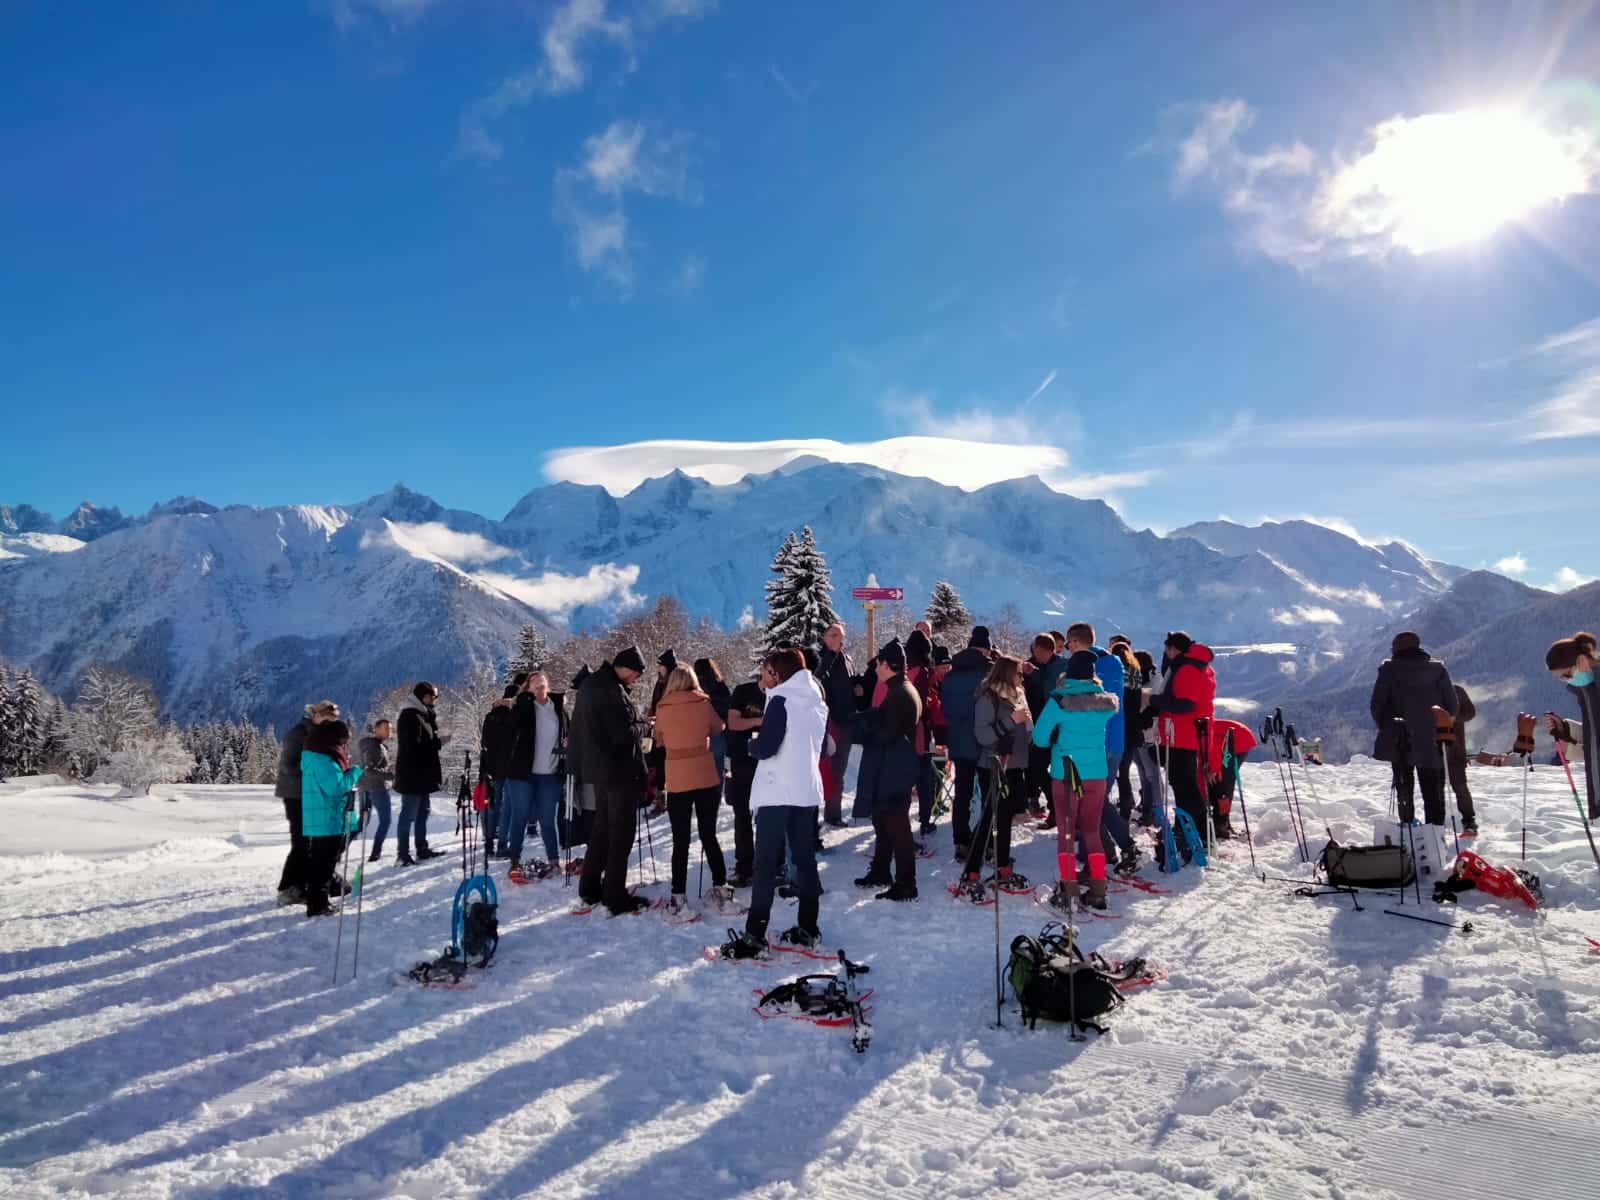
328	815
1073	725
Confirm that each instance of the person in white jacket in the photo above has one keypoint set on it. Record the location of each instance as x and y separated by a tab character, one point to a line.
784	801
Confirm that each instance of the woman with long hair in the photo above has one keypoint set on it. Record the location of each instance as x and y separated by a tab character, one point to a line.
685	724
1003	727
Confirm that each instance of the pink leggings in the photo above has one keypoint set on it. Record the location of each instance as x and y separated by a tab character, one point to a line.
1079	813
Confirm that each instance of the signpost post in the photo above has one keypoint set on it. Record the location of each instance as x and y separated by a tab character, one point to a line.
872	598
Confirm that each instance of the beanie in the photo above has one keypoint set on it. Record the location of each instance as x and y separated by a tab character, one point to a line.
1081	664
894	655
630	660
980	638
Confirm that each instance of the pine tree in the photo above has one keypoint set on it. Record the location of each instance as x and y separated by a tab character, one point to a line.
532	653
228	768
113	710
945	612
8	727
800	600
28	702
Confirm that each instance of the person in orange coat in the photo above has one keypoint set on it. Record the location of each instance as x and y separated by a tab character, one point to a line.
685	724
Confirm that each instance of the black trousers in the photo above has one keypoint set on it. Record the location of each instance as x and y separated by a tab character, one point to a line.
741	778
961	809
1125	784
1457	764
892	824
1038	778
294	864
322	860
1010	805
605	866
701	805
1405	777
1183	767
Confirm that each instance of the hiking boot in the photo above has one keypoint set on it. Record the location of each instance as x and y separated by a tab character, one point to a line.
629	906
1096	897
318	906
1128	863
745	945
1064	895
928	828
740	880
971	888
720	894
801	939
405	860
375	855
837	824
289	896
873	879
899	892
962	850
677	906
1469	827
338	887
515	868
429	852
787	891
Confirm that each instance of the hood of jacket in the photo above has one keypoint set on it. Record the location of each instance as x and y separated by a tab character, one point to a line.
970	659
799	690
416	705
1084	695
674	699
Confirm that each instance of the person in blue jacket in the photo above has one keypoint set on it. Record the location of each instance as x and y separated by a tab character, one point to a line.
327	812
1072	726
1108	668
959	694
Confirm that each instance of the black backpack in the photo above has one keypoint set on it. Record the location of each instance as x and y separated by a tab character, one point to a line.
1051	979
1368	866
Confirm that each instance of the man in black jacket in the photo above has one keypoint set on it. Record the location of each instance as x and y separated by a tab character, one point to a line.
605	728
417	770
1410	686
494	752
839	692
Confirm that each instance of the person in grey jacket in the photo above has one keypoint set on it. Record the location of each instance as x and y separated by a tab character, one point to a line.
292	882
1003	729
376	776
1410	686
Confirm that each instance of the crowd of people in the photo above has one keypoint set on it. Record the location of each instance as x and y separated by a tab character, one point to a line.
1054	736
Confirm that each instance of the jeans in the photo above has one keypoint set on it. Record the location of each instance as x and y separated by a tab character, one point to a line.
502	817
701	805
740	782
1112	821
1010	803
380	805
961	808
516	798
793	826
546	805
294	864
833	798
413	814
891	822
605	866
1149	781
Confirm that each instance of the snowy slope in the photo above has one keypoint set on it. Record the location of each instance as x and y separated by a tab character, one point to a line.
168	1033
247	612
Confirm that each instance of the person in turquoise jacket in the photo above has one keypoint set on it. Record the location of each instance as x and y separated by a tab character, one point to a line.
327	814
1073	726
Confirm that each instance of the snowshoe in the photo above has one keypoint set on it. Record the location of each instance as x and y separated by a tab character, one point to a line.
446	971
582	908
796	938
973	890
290	896
676	910
824	1000
405	860
1012	883
1144	885
1469	829
740	946
1194	846
631	906
516	873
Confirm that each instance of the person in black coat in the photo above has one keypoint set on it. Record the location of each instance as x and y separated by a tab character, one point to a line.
292	881
605	728
1410	686
839	691
418	772
1455	757
890	766
494	751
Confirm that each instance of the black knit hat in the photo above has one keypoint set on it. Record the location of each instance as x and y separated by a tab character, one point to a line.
668	659
1081	664
941	656
630	660
980	638
1179	641
894	656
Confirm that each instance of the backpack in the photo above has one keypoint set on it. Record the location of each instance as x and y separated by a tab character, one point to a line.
1050	979
1368	866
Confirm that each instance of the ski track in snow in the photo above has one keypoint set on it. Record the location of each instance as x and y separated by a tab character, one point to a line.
167	1032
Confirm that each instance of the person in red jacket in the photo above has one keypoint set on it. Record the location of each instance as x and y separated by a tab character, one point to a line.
1187	693
1224	774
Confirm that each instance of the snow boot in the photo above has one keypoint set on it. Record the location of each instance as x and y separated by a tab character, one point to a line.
745	945
677	905
1469	827
1012	882
740	881
629	906
720	894
962	850
405	860
928	828
873	879
429	852
1097	882
800	938
290	896
1128	863
899	892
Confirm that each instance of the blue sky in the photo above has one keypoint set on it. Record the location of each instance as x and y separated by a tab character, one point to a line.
296	252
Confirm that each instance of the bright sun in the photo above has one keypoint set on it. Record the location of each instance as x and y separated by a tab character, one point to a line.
1446	179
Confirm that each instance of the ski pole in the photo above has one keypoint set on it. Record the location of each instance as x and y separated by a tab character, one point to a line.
1465	927
1270	736
338	940
1583	813
638	838
1311	783
568	787
996	784
1297	816
650	833
361	888
1527	769
1231	757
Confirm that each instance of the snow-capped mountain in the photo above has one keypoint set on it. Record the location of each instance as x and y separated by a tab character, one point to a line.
248	611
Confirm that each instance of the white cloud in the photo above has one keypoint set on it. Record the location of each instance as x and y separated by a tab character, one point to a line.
1417	184
1512	564
964	464
1573	406
1566	579
590	198
1301	614
439	542
575	29
1235	708
557	594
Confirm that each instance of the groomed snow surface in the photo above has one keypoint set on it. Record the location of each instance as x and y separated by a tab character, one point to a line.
166	1031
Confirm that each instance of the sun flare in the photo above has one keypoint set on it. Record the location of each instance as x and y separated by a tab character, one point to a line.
1447	179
